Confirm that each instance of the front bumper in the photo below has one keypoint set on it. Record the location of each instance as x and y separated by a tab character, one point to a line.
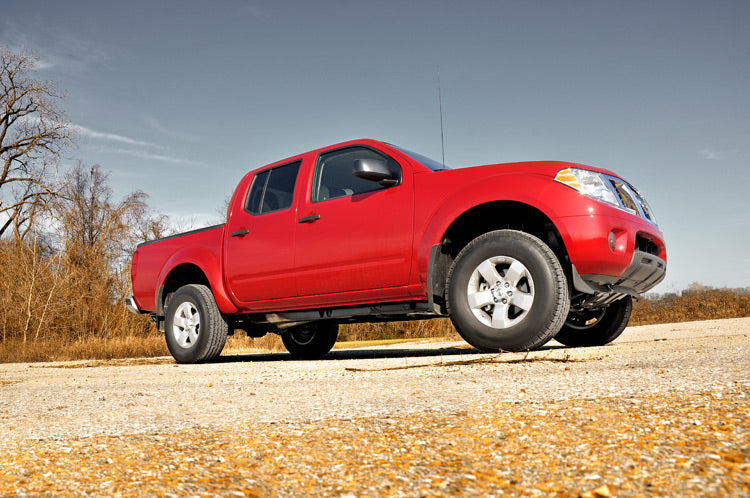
644	272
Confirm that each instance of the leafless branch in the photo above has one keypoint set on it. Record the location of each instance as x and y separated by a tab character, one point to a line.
33	136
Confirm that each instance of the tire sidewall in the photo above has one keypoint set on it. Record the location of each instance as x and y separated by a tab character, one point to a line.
516	337
195	352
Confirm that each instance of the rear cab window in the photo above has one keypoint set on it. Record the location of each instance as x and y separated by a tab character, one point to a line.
273	189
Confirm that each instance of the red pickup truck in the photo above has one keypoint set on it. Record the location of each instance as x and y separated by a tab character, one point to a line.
365	231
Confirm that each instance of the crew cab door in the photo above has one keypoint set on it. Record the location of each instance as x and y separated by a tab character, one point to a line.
259	247
353	234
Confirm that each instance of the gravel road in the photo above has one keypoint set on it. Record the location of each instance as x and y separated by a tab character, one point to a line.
155	404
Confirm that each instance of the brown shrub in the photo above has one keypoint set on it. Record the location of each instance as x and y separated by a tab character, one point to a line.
695	303
441	327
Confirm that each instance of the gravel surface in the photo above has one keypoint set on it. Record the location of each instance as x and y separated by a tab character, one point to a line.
271	426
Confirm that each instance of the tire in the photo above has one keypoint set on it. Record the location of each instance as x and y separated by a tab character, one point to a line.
195	329
596	327
310	341
507	292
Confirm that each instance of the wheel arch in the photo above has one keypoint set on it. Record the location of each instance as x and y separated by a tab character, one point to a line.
181	275
483	218
193	266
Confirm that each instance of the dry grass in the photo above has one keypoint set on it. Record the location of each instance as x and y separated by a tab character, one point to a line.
135	337
441	327
695	303
239	343
16	351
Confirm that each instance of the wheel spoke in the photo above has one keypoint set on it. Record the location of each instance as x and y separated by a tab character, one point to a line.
500	319
179	321
500	292
185	325
181	337
516	271
480	299
523	300
489	273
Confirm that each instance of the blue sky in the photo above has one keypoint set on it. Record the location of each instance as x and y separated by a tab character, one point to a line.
181	98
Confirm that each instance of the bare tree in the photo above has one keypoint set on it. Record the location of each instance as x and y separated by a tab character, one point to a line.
146	224
33	135
92	222
95	239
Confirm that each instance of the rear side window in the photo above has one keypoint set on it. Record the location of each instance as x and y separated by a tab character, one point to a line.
273	189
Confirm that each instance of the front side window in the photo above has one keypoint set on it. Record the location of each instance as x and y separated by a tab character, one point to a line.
273	189
335	178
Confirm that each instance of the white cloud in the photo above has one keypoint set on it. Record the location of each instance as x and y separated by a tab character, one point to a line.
112	137
142	154
56	48
139	145
163	130
709	154
41	65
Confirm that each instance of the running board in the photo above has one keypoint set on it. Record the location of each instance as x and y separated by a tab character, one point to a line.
371	313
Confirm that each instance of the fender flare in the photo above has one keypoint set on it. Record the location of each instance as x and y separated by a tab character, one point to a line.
528	189
209	264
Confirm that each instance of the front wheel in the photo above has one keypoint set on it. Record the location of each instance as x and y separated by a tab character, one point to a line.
596	327
311	340
507	291
195	329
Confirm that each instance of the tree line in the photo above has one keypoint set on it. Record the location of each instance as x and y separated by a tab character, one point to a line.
65	241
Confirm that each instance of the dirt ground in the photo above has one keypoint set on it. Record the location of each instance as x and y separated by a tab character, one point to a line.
663	411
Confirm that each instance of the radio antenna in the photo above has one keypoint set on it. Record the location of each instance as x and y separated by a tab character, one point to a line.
440	102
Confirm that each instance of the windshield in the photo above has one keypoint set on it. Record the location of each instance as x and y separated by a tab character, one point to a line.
430	163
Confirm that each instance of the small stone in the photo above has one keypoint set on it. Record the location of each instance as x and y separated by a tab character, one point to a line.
600	492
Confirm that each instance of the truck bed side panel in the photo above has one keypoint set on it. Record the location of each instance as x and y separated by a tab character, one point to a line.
156	260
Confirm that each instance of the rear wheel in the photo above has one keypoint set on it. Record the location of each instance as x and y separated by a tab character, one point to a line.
507	291
596	327
311	340
195	329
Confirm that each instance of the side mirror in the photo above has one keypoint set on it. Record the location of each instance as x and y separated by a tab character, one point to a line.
375	170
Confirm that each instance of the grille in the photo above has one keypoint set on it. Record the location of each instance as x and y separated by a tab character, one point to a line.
646	245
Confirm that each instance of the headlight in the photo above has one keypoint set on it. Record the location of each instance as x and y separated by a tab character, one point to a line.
605	188
587	182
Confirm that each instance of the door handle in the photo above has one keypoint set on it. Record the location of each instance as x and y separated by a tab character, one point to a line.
241	233
309	219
